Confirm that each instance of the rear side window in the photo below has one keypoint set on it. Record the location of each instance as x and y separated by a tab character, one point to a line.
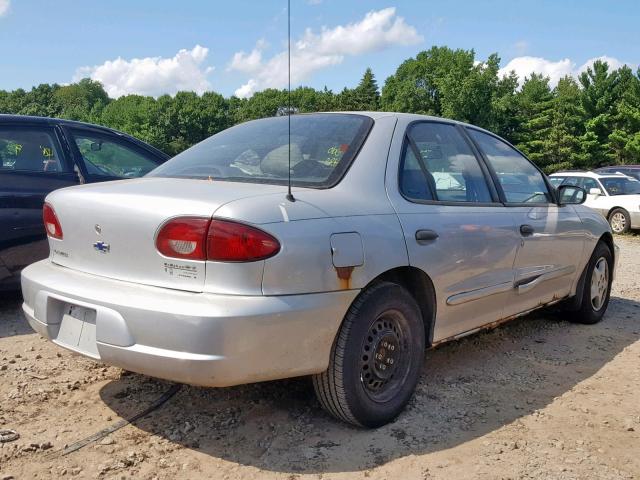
521	182
322	148
28	150
105	157
439	165
621	186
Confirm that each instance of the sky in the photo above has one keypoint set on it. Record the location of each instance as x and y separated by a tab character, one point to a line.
152	47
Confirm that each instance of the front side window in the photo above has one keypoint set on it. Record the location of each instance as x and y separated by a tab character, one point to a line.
589	183
321	150
28	150
621	186
521	182
439	165
105	157
573	181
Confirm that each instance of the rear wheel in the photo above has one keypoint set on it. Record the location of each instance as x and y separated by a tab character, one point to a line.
596	288
620	221
376	358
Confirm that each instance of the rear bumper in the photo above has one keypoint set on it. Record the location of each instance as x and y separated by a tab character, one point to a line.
196	338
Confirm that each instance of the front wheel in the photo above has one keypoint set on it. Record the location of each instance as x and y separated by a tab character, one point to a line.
619	221
596	288
376	358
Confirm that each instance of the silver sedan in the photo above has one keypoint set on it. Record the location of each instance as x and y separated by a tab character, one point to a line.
401	232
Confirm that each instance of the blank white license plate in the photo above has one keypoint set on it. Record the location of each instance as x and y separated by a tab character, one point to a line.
78	329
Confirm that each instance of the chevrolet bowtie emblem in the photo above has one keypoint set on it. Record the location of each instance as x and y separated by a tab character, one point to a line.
102	247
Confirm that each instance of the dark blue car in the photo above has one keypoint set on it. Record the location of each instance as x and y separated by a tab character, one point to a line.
629	170
39	155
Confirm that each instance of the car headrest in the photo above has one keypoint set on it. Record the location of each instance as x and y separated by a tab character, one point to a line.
30	158
276	162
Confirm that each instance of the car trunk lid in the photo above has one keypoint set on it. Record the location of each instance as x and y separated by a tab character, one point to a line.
109	229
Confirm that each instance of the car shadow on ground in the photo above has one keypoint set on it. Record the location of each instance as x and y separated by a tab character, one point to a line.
468	388
12	321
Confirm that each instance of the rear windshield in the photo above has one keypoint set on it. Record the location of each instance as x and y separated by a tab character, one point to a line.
322	148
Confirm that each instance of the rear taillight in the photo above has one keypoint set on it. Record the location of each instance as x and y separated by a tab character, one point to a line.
51	222
236	242
198	238
183	237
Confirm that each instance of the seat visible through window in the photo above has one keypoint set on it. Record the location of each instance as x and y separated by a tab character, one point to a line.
28	150
439	165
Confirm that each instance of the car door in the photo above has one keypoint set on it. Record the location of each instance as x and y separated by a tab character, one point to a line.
551	236
596	201
455	229
102	155
32	165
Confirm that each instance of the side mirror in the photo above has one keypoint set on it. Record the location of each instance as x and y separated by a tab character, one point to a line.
96	147
595	191
571	195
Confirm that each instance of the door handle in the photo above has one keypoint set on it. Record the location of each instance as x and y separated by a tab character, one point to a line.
424	236
526	230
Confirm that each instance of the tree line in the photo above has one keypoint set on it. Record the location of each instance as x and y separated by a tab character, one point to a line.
586	122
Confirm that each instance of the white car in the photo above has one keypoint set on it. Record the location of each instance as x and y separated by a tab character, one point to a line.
614	195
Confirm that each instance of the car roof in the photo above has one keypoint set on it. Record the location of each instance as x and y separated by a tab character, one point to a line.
34	120
585	173
410	117
618	167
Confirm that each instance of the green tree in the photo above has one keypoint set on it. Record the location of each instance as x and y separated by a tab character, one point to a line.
367	94
445	82
535	110
84	100
562	145
261	104
136	115
624	139
347	100
598	99
504	108
40	101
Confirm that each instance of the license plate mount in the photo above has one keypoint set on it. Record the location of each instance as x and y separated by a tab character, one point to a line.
78	329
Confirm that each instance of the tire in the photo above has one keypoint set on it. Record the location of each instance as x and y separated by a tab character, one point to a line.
369	391
596	288
619	221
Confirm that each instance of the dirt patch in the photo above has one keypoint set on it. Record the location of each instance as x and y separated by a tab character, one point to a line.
536	398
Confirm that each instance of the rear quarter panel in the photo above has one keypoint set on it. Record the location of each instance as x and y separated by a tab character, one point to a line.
595	226
305	264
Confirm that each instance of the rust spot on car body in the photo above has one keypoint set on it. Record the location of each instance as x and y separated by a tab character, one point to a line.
344	277
491	325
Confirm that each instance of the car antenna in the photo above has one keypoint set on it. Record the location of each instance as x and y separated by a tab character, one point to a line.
289	194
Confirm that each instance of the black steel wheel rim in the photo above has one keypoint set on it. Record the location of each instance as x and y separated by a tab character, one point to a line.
385	356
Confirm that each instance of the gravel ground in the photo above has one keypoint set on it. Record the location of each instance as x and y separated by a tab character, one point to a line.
536	398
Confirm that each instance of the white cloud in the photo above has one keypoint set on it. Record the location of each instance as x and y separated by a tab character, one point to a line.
614	63
555	70
314	51
4	7
152	75
525	66
248	62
